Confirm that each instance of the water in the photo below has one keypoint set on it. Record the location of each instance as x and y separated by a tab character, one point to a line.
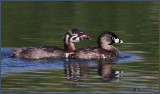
38	23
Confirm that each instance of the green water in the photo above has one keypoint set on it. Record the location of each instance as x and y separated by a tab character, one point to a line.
39	23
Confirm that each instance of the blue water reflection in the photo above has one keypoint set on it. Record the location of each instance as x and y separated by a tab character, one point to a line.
9	64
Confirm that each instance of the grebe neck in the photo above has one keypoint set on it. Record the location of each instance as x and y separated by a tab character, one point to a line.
69	46
109	47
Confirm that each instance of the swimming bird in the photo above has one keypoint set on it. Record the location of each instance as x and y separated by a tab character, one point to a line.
45	51
105	49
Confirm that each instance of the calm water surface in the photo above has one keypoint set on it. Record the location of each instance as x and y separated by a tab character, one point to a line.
39	23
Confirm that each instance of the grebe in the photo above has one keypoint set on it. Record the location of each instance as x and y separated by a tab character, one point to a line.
37	52
105	50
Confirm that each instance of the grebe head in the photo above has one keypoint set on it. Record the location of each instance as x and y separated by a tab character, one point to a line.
72	36
108	38
75	35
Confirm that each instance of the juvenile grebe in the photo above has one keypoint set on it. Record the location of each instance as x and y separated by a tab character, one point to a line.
36	52
105	50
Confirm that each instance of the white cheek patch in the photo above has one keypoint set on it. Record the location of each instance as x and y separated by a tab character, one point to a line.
76	40
75	36
116	40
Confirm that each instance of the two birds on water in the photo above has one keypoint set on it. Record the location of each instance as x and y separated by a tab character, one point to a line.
104	50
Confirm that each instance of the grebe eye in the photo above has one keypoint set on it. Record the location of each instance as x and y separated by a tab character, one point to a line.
113	38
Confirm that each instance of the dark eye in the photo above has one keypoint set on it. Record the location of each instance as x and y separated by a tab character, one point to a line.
113	38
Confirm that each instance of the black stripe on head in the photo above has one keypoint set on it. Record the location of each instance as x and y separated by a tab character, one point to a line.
77	31
72	34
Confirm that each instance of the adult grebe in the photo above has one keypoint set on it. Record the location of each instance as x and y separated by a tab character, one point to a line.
105	50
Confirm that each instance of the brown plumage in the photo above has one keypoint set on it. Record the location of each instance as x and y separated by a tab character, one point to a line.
36	52
105	50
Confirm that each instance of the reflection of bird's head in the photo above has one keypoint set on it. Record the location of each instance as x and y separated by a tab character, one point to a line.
105	69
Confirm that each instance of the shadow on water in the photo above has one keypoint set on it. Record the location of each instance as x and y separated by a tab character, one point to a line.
72	68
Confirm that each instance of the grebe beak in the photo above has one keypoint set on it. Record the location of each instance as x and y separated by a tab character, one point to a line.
121	41
118	40
85	37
